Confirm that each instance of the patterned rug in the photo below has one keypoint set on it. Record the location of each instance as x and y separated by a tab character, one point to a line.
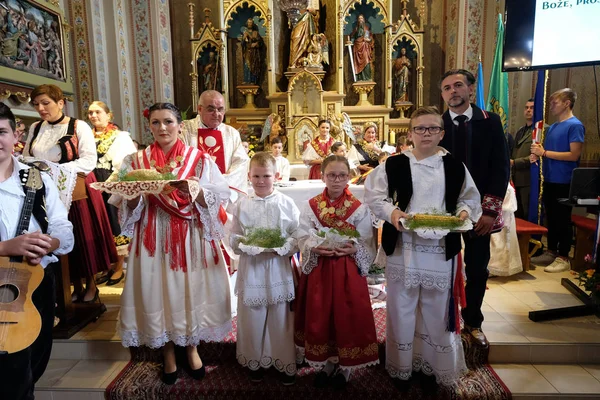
225	379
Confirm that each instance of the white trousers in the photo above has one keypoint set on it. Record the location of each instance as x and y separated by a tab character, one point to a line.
416	336
265	337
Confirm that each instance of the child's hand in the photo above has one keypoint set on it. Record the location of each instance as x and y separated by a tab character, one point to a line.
395	219
323	251
463	215
347	250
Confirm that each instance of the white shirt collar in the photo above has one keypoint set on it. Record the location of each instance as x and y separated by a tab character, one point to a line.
468	113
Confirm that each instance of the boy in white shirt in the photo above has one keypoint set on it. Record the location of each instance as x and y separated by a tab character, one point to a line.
283	165
49	232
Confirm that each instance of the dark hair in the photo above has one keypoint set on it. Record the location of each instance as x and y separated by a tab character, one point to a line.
263	159
532	100
52	91
6	113
323	121
336	146
276	141
467	74
168	107
333	158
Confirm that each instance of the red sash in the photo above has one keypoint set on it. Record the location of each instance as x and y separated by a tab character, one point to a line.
322	148
182	160
333	214
211	141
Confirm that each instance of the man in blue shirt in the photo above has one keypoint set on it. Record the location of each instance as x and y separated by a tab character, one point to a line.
561	152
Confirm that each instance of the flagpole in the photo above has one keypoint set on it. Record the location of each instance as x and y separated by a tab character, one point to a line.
542	134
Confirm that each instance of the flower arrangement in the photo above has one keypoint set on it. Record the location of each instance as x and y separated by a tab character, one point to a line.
589	279
254	144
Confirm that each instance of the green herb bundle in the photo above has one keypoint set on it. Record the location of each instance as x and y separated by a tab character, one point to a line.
343	232
145	175
264	237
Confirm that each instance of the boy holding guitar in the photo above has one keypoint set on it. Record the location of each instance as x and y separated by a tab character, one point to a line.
33	229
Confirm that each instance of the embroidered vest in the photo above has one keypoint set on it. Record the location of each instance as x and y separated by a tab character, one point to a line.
69	144
400	190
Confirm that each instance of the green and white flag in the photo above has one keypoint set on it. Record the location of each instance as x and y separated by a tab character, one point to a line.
497	101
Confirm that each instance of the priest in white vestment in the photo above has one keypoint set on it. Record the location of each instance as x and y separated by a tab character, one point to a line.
234	162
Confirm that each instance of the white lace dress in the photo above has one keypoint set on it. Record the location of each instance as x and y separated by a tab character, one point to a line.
160	304
265	284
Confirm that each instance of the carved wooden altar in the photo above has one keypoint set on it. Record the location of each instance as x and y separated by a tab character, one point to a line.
322	83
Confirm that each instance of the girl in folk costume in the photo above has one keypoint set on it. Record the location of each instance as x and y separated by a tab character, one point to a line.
112	145
265	283
424	276
318	150
177	291
70	142
332	292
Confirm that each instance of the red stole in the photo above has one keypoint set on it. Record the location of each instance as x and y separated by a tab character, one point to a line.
333	214
181	160
211	141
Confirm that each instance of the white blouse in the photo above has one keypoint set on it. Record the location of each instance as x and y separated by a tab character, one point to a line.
46	145
12	199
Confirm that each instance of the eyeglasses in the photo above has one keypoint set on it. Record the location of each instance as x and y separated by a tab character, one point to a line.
334	177
212	110
420	130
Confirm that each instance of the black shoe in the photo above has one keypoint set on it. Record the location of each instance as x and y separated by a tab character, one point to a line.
402	385
112	282
198	374
428	384
321	380
257	376
95	299
102	277
339	381
287	380
169	378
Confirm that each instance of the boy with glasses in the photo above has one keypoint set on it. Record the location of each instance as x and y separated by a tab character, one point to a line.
424	276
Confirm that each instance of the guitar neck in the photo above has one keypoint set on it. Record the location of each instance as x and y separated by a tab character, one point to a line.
26	212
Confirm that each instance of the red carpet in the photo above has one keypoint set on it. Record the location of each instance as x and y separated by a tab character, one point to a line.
225	379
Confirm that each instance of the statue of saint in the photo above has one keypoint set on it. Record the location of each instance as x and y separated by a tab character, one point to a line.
362	49
252	49
302	35
401	77
209	73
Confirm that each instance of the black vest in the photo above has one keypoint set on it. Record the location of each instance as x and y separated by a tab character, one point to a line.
400	190
39	201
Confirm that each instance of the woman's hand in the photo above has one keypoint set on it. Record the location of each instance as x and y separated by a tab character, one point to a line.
323	251
365	167
348	249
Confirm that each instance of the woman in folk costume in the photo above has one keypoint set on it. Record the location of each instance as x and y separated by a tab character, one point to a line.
424	276
332	293
112	145
318	150
364	154
177	291
70	142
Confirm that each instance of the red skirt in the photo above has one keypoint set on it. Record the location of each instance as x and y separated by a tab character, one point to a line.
315	172
94	248
333	315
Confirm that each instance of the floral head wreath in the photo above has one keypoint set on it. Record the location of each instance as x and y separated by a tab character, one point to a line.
146	113
368	125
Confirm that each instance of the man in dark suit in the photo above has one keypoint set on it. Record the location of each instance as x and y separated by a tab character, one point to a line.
476	138
520	164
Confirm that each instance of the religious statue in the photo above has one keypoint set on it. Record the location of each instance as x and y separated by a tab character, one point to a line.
302	36
401	77
271	130
317	51
252	49
362	49
209	73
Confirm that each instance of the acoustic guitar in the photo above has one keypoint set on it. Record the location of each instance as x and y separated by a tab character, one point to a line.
20	321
